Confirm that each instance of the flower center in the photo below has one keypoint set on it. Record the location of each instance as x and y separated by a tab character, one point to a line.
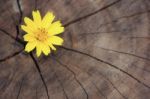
41	34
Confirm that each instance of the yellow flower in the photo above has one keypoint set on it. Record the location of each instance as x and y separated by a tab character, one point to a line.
41	33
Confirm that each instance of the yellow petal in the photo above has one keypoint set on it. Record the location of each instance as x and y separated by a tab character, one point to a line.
48	19
38	49
51	46
56	40
30	46
36	17
45	49
30	23
55	28
29	37
26	29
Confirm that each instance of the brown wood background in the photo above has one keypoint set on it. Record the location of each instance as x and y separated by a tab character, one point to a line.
106	54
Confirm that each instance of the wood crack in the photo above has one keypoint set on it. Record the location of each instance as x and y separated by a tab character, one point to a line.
40	73
99	90
109	64
18	31
100	75
16	39
144	58
91	14
21	84
95	33
20	18
113	85
87	97
20	11
126	16
11	56
61	86
36	93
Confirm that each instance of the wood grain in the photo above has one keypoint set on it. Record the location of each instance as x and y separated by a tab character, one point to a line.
105	54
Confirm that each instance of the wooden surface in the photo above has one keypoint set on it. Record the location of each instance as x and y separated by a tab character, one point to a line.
106	54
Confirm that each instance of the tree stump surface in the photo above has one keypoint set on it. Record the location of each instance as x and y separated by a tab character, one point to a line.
106	53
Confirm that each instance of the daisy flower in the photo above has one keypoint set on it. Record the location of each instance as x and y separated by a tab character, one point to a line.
41	33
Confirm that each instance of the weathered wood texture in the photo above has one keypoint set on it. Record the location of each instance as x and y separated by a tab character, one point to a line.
106	54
